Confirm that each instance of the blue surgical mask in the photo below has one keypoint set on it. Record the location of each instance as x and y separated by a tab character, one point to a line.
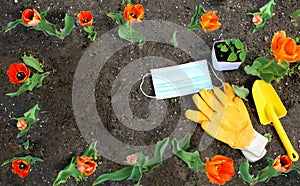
180	80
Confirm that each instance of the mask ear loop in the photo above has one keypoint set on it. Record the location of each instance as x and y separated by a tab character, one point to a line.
141	86
216	76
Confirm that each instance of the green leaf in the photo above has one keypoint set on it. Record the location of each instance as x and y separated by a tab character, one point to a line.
174	40
23	88
29	159
267	9
266	174
242	92
116	176
220	45
267	70
90	30
185	142
47	27
238	43
136	173
263	61
45	12
244	171
227	42
140	159
293	168
242	56
194	25
192	159
295	14
128	33
31	114
69	25
70	170
270	161
271	70
232	48
267	77
294	17
224	48
158	154
35	159
116	17
32	62
12	25
232	57
251	70
124	32
37	80
91	151
26	144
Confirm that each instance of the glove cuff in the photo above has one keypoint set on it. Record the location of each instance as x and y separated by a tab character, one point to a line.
256	150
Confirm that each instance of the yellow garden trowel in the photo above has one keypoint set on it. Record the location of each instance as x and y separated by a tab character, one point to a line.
270	108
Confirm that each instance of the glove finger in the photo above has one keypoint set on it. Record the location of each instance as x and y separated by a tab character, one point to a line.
220	95
201	105
227	97
211	100
195	116
229	91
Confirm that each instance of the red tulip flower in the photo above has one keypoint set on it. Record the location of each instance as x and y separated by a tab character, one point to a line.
86	165
31	17
18	73
220	169
85	18
282	163
134	13
21	168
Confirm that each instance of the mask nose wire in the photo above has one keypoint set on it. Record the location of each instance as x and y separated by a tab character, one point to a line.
141	86
216	76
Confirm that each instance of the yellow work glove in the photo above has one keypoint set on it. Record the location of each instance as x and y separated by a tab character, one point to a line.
225	117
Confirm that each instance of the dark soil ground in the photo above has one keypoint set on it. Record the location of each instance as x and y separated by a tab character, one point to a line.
56	138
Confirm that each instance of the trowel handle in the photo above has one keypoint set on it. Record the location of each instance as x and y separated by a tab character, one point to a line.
293	155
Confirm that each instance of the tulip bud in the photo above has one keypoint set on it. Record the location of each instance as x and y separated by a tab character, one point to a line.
131	159
257	19
21	124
